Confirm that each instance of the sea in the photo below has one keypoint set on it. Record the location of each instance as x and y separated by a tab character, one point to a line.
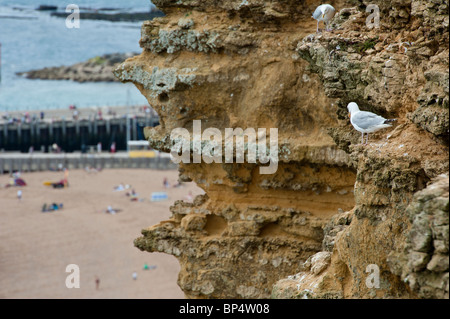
32	39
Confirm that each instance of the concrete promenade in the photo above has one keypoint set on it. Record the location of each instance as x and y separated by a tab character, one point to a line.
37	161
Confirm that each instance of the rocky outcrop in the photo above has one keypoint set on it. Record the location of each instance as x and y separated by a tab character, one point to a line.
97	69
403	73
237	240
388	73
424	262
333	209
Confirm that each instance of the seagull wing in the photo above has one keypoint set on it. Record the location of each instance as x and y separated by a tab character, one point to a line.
366	120
330	13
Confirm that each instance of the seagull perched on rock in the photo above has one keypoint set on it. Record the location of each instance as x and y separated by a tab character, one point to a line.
366	122
325	13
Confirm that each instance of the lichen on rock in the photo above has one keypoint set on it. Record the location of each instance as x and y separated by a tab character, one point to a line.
403	75
424	262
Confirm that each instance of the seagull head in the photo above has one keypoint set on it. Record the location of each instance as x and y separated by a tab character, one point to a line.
325	10
352	107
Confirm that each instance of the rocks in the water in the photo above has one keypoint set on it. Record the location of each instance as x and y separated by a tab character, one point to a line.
97	69
44	7
115	17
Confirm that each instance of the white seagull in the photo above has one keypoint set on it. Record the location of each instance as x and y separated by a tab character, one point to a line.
325	13
366	122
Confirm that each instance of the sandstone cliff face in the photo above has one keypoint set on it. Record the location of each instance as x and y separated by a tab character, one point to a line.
424	262
333	207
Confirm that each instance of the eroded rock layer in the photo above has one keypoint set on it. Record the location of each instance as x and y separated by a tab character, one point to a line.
399	70
332	207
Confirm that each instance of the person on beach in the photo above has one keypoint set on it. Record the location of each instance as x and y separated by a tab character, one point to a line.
166	183
134	196
119	188
19	195
97	282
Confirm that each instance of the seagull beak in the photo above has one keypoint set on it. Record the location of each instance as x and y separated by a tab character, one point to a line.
349	115
323	15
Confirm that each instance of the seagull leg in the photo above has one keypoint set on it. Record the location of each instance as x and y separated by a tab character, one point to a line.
317	31
362	138
367	140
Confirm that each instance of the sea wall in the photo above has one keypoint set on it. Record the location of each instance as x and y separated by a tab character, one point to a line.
73	134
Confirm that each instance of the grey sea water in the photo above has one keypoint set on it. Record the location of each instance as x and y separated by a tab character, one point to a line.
32	39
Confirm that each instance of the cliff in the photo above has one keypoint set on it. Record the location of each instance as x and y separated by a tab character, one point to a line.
333	209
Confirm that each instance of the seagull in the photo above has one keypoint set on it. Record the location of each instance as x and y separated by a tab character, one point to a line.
366	122
325	13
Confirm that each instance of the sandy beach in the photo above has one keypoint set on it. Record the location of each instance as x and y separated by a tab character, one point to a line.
36	247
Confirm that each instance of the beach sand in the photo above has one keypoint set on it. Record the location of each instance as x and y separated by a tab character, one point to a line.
36	247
